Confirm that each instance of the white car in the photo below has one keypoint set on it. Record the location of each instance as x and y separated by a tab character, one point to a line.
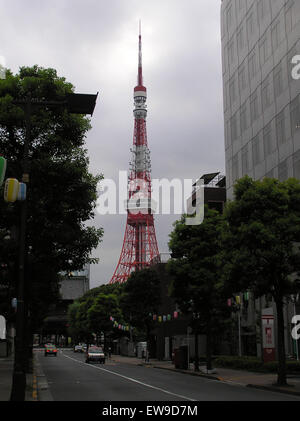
95	353
78	348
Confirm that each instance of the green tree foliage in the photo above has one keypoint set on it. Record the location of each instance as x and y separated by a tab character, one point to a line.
140	299
91	313
196	269
263	227
104	306
61	193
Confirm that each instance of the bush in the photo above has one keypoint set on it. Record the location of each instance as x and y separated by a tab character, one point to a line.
254	364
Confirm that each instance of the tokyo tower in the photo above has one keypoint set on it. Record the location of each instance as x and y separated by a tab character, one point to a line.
140	245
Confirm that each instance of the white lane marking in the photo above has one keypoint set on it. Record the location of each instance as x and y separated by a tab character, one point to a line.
132	380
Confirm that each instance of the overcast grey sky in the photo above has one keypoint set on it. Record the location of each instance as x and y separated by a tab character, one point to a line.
94	44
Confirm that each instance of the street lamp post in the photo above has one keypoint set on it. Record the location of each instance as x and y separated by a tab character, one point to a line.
77	104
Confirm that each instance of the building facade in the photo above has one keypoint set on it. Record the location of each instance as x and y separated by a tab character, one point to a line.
73	285
260	38
261	86
172	334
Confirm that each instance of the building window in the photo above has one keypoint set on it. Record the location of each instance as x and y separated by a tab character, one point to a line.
235	168
242	78
290	15
270	174
266	93
283	171
264	50
252	65
229	17
228	133
240	39
245	160
250	25
293	51
256	151
232	90
280	128
243	118
262	9
267	137
231	51
276	35
218	206
254	107
278	80
295	114
296	164
233	127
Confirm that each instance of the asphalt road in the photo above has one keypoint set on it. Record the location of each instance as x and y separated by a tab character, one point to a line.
71	379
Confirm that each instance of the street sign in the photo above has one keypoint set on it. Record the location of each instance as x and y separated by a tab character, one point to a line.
268	337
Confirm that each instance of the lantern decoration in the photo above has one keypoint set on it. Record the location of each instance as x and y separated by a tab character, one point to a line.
169	317
11	189
164	318
159	318
246	296
111	318
175	314
229	302
22	192
2	169
238	299
154	316
14	303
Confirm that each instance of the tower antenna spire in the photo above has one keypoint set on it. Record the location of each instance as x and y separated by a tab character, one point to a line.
140	71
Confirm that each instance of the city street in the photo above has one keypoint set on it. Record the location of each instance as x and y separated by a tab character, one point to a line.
69	378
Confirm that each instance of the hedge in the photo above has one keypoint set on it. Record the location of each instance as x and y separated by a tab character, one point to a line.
254	364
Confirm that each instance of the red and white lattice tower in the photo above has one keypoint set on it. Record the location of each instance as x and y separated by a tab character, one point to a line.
140	245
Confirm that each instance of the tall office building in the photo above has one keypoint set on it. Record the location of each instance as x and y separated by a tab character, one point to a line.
261	97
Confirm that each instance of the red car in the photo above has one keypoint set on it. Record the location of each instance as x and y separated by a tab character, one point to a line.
50	350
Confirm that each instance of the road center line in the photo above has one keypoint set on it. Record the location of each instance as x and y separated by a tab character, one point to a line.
131	379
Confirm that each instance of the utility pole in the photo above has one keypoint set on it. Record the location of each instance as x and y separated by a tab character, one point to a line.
19	375
239	324
77	104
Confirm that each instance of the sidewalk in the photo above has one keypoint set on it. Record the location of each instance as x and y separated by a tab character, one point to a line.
6	372
239	377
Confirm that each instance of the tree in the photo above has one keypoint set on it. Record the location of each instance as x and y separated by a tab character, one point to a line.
91	313
61	193
263	227
141	299
104	306
196	269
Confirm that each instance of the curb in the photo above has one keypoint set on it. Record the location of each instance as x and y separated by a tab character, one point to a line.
34	386
41	391
191	373
274	389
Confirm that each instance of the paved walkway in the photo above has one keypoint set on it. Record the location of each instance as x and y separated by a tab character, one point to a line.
241	377
6	372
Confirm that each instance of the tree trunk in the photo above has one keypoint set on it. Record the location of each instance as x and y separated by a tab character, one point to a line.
208	346
281	379
148	343
196	352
